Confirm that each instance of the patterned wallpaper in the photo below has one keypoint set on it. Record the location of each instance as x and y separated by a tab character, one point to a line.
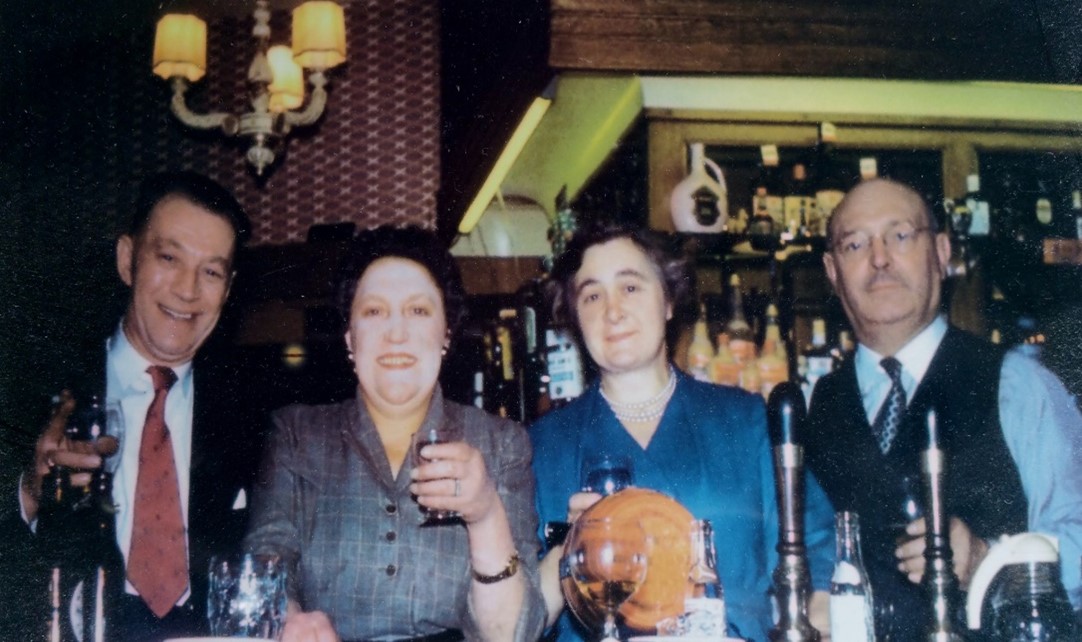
374	156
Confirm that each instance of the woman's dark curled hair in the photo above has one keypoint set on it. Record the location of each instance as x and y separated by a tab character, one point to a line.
414	243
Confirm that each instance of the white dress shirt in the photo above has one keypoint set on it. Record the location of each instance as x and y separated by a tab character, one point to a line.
127	380
1042	427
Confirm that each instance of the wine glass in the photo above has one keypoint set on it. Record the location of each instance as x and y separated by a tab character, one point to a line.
100	423
607	561
606	474
434	435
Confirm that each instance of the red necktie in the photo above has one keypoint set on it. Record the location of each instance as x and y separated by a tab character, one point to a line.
158	560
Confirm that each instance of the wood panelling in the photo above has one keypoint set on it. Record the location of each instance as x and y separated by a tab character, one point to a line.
992	39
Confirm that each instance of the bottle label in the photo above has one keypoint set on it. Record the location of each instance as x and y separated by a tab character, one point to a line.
869	168
770	155
850	619
980	221
564	365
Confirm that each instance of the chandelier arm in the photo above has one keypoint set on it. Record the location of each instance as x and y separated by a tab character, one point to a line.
227	122
316	103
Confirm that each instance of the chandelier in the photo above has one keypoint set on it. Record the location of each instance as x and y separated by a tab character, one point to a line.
275	74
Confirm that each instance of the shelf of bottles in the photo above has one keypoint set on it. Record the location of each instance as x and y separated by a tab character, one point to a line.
759	215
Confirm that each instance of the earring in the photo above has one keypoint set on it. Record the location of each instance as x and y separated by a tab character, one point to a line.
349	355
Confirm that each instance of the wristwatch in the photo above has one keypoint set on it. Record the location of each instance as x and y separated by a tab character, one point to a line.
508	571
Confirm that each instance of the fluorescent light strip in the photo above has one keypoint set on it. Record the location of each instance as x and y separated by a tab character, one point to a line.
503	164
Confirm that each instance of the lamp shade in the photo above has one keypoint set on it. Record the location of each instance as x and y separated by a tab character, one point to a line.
180	47
287	87
319	35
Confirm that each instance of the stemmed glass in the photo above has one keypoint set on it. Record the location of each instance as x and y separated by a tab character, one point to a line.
100	423
608	563
606	474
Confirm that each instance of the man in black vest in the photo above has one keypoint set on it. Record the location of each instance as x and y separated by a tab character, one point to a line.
183	413
1010	430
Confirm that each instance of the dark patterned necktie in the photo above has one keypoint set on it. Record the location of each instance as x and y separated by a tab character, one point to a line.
886	424
158	560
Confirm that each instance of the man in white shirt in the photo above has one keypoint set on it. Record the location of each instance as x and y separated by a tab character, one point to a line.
1011	432
178	261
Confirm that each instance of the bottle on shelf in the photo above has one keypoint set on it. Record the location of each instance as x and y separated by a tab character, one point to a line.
700	351
852	609
700	202
750	377
798	202
741	336
773	359
844	349
1076	212
535	382
724	368
738	223
869	168
495	386
566	380
1043	204
980	221
830	184
818	360
767	202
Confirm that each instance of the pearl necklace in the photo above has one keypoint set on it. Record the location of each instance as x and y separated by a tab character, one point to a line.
643	411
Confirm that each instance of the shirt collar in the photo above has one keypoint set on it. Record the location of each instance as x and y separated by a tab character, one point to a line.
131	367
914	356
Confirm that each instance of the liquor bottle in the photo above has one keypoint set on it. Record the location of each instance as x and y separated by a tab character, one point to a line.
535	381
1076	212
724	368
830	184
700	351
704	609
869	168
798	202
566	380
700	202
817	358
773	359
750	377
767	200
843	350
980	223
741	336
1043	204
738	223
507	332
851	604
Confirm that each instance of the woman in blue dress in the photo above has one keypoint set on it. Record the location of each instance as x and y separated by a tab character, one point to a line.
702	444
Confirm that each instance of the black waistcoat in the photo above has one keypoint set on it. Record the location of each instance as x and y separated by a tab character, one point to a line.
983	487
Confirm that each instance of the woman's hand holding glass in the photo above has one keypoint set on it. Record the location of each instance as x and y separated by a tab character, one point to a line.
450	480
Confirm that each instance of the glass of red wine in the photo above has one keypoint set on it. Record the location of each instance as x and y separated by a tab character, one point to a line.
444	434
607	561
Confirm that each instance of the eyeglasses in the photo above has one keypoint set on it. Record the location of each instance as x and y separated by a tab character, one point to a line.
898	240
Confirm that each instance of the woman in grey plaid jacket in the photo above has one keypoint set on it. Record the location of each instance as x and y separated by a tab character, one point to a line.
341	502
